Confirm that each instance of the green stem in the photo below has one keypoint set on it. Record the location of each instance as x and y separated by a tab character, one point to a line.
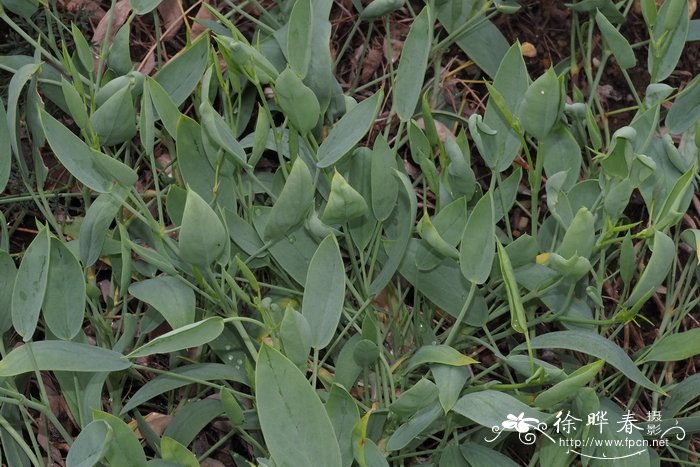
462	313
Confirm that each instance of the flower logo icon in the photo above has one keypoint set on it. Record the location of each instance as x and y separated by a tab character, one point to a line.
520	423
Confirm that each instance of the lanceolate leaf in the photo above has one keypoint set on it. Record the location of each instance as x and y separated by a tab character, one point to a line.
674	347
299	37
295	425
616	42
182	73
655	271
479	242
292	204
61	356
349	130
324	293
94	229
490	408
115	120
8	272
64	301
439	354
414	61
385	188
5	149
343	413
75	155
30	285
192	335
596	345
405	213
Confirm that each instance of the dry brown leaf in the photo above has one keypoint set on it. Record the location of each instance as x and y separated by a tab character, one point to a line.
121	13
149	63
157	421
392	49
209	462
56	455
91	7
173	17
372	61
442	131
202	14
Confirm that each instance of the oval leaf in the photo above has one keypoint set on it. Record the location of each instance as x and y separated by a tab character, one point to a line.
539	110
298	102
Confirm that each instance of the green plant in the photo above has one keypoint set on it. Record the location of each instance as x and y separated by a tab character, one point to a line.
250	245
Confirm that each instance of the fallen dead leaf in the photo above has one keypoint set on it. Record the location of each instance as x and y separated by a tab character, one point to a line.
212	463
121	13
203	14
157	421
149	63
392	49
173	17
442	131
56	455
372	61
90	7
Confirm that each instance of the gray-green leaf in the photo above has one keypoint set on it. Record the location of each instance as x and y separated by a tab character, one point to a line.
61	356
30	285
324	292
478	246
64	301
171	297
203	237
414	61
295	425
349	130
